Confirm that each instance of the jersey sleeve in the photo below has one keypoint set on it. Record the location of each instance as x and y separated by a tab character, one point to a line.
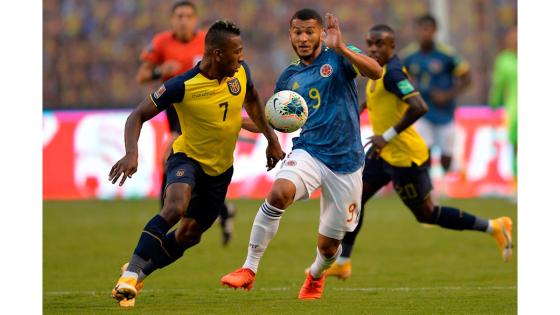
248	74
397	82
349	68
460	66
152	52
171	91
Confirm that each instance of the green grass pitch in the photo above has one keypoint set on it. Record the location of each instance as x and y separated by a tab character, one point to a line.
399	266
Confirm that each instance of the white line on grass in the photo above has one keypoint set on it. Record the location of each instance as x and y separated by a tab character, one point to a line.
374	289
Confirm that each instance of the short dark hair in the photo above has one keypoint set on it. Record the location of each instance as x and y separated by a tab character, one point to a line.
382	28
426	18
182	3
307	14
218	32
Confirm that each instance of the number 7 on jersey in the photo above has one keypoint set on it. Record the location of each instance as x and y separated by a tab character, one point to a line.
224	104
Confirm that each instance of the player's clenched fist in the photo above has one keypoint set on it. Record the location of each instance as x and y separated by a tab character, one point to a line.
274	154
125	167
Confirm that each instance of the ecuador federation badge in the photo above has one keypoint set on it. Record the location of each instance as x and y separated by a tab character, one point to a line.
234	86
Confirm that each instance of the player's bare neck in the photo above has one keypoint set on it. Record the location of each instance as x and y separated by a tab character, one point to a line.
210	72
310	59
184	39
427	47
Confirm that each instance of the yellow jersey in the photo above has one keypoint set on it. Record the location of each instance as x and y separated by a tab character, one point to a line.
385	100
209	114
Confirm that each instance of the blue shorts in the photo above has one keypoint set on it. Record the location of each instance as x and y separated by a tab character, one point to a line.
208	192
413	183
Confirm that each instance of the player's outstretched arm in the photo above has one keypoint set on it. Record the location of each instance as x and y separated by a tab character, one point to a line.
129	163
366	65
249	125
255	109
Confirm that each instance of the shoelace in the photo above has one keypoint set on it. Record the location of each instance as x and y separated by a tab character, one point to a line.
315	283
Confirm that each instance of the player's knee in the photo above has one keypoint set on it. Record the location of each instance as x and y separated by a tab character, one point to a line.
422	213
281	196
174	207
327	246
327	250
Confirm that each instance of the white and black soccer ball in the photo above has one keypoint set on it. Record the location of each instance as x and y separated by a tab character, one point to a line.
286	111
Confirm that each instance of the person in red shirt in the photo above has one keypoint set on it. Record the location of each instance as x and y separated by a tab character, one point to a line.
169	54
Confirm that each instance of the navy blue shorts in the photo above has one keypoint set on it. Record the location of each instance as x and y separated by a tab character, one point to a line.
413	183
208	192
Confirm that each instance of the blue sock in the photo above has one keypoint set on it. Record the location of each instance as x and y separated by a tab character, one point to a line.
173	251
150	243
456	219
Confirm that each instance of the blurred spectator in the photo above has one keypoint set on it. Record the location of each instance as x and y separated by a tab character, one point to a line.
504	86
441	76
90	47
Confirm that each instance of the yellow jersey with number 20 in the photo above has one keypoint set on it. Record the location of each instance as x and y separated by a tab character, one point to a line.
385	100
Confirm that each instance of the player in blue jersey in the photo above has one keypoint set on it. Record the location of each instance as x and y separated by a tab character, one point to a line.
441	76
327	154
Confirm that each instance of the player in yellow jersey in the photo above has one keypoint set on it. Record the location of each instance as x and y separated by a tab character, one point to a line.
400	155
208	100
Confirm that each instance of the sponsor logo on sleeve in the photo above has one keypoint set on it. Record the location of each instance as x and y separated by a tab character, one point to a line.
405	86
159	91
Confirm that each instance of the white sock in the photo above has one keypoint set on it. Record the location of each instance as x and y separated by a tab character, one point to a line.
130	274
321	263
341	260
264	228
489	229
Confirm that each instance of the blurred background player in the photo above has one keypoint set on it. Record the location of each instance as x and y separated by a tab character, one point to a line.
327	154
400	155
171	53
504	87
209	99
441	76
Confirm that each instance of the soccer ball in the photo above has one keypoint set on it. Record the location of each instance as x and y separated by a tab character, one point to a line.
286	111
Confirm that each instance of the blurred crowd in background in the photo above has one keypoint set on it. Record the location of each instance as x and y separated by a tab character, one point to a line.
91	48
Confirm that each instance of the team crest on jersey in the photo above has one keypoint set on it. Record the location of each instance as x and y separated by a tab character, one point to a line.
291	163
180	172
435	66
159	91
326	70
234	86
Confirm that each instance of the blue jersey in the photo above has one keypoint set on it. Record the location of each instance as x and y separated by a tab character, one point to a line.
435	70
332	131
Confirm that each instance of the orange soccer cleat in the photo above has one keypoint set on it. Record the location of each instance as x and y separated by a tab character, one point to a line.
240	278
341	271
501	231
312	288
123	299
